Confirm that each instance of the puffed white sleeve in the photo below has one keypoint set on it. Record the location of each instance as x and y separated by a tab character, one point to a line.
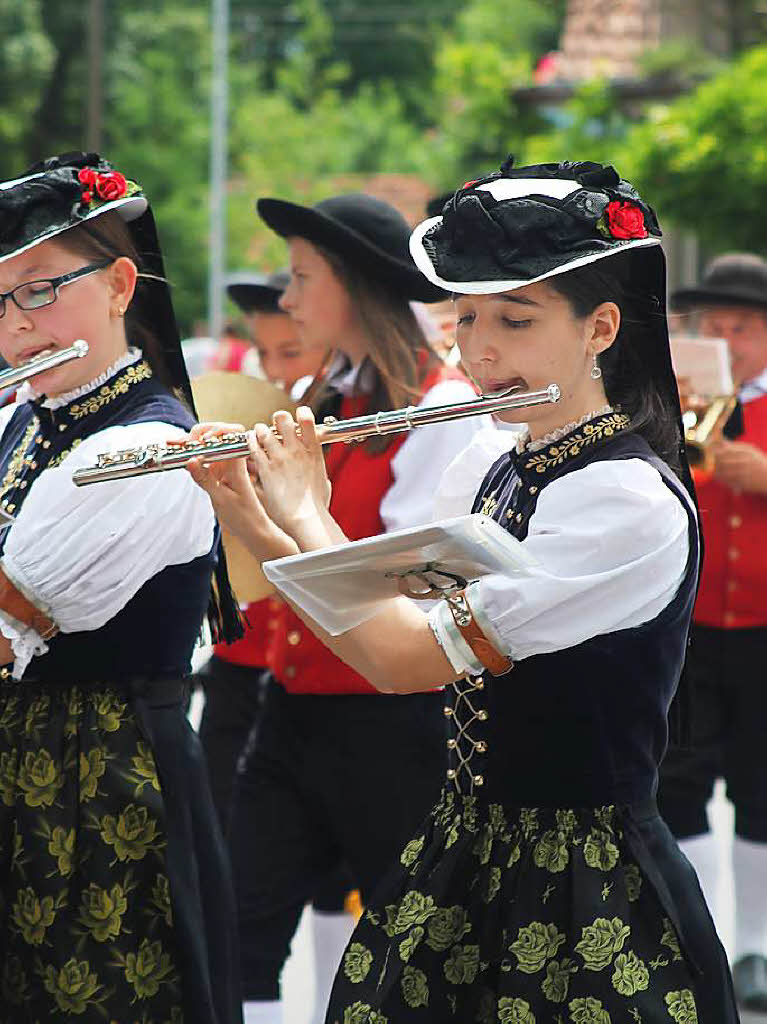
418	466
81	553
612	544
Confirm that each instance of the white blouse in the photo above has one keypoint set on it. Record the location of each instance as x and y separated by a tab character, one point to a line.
81	553
611	540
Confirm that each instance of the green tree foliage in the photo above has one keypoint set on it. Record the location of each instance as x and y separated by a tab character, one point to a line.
373	39
158	79
591	126
27	57
703	158
477	67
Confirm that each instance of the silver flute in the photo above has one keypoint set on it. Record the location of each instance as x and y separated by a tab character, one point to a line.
159	458
17	374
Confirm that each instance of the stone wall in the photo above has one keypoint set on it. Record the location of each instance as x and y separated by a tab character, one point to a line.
608	37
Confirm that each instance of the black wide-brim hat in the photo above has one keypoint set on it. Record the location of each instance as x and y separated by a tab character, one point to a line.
257	293
522	225
734	279
75	189
363	230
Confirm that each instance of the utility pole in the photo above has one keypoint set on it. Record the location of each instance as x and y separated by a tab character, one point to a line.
218	165
95	112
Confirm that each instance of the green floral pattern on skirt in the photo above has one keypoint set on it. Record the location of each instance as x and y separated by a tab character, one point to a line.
86	926
515	917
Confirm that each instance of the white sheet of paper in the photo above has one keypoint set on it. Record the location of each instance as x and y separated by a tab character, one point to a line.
342	586
705	362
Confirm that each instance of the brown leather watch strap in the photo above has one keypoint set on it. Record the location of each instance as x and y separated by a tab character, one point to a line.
493	660
16	605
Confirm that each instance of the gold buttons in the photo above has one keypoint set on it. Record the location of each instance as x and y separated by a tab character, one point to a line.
481	747
447	711
39	438
509	513
482	715
23	484
735	522
62	427
11	507
290	672
5	673
452	744
519	517
479	684
451	773
533	489
46	444
294	638
478	780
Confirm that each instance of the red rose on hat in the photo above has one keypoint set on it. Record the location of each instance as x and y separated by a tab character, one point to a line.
111	186
625	220
87	176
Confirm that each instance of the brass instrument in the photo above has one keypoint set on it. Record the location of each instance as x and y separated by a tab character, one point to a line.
703	426
158	458
41	364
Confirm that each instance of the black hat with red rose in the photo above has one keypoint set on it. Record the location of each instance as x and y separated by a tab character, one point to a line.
520	225
73	190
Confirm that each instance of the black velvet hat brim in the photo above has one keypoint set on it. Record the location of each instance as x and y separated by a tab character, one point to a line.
293	220
488	276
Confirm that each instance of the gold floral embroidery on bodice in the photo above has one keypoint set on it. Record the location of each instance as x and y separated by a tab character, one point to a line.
595	431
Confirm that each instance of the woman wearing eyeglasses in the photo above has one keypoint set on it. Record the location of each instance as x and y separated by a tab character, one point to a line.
114	894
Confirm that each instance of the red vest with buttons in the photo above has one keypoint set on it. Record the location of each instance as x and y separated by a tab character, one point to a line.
251	648
733	587
360	480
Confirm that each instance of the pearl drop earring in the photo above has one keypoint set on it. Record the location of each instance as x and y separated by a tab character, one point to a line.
596	369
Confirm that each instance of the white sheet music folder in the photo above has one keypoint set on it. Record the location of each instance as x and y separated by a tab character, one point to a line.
340	586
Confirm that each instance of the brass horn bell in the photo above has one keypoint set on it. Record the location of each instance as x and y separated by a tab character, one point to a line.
703	426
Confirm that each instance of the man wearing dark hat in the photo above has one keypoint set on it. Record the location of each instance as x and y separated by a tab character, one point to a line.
728	651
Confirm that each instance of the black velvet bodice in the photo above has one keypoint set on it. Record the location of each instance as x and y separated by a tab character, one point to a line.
586	725
154	634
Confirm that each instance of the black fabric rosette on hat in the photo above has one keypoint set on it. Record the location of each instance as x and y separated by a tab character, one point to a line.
73	190
365	230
